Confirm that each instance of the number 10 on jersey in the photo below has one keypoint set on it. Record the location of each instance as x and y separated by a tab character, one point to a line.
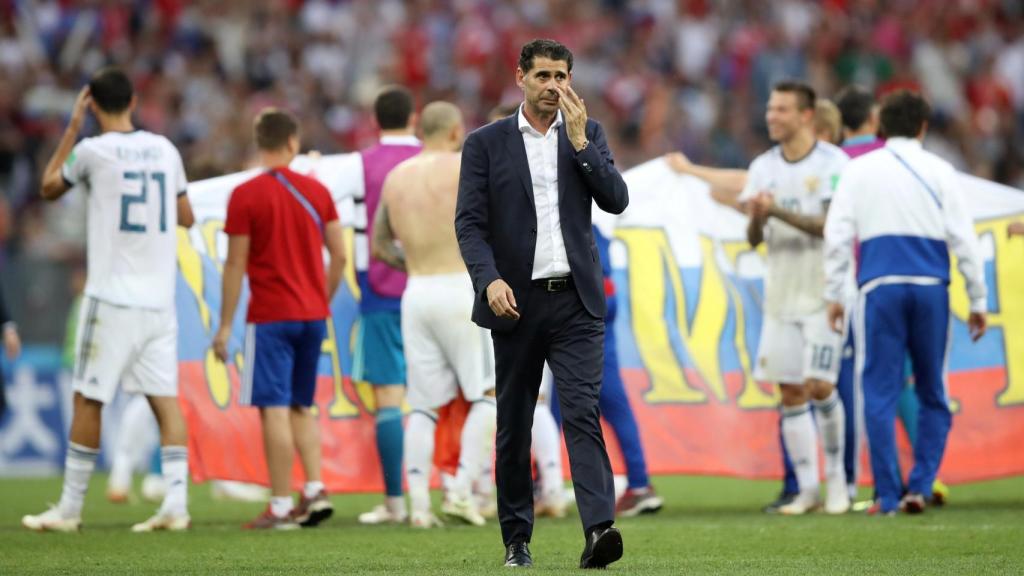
141	198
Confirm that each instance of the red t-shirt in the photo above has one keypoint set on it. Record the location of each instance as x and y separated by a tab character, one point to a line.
286	263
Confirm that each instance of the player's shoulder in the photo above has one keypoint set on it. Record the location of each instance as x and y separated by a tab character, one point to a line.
830	152
871	166
871	158
84	149
170	151
257	181
939	165
766	159
89	142
165	142
309	183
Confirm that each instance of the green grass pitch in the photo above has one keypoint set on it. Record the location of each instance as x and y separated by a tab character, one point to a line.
708	526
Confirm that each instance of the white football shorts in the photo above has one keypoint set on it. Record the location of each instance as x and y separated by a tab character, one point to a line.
444	350
134	348
794	351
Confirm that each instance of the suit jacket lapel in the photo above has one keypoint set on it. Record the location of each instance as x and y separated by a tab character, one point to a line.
517	152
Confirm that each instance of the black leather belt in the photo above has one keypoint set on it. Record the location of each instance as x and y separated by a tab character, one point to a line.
560	284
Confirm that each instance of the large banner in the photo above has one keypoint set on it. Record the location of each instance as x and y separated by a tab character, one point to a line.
690	315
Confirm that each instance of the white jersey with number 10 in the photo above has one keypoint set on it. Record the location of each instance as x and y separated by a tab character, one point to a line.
133	180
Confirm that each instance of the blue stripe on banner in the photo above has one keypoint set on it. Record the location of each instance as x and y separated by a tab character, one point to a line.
903	256
301	199
358	371
930	190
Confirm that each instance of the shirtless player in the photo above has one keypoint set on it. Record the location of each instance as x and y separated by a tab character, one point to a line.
445	352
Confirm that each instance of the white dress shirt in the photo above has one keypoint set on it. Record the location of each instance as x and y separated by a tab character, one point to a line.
549	257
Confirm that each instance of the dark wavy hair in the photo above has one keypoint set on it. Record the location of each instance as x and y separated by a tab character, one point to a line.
546	49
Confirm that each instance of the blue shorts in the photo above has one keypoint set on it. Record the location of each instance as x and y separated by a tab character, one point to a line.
379	355
281	361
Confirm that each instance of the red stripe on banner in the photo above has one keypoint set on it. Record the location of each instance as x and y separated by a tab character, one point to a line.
712	438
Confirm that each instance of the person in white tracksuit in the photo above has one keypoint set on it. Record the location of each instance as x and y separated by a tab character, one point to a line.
900	210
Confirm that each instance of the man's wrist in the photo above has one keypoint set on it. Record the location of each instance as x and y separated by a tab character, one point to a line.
582	146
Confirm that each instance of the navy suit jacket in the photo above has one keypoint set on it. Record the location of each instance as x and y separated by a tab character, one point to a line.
496	220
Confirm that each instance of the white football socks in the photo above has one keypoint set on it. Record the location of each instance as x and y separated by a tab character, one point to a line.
831	421
311	489
419	455
78	466
174	465
137	437
799	435
281	506
477	446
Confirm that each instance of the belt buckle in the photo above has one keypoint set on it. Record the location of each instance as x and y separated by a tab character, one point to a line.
557	284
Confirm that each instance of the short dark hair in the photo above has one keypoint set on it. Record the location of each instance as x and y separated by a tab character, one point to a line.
904	113
805	97
855	104
273	127
393	107
546	49
111	90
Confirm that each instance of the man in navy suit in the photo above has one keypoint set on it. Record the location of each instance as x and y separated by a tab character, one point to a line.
526	188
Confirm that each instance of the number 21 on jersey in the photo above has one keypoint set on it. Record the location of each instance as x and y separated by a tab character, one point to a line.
143	178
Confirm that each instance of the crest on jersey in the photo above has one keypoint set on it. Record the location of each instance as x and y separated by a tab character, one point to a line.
811	183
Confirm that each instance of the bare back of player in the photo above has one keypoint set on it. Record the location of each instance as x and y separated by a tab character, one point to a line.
419	196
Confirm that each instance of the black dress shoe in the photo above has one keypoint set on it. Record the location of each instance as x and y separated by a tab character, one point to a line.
604	546
518	555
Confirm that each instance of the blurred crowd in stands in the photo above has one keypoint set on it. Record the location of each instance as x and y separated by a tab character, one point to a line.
661	75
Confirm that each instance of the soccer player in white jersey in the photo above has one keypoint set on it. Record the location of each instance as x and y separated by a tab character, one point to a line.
787	194
445	352
128	329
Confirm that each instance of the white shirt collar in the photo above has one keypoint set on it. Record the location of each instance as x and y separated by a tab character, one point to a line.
408	140
524	124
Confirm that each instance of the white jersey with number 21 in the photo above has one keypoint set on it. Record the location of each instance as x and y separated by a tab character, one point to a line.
133	180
